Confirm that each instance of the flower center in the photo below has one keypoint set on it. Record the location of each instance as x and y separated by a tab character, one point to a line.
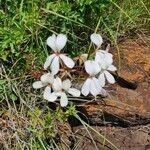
57	54
91	76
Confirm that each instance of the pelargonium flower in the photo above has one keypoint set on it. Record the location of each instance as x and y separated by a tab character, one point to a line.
92	84
45	80
105	63
60	89
57	44
103	58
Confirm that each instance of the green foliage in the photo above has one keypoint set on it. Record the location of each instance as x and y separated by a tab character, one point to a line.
25	25
43	124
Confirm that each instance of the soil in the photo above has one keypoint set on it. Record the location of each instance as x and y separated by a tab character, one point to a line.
124	117
131	138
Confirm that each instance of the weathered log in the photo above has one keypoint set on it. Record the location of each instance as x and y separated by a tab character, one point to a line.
110	112
107	111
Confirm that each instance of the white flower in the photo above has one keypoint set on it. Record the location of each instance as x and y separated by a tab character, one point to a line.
60	89
96	39
105	61
46	80
92	84
57	44
103	58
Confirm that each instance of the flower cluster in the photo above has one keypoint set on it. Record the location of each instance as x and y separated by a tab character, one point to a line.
54	60
99	67
98	71
55	87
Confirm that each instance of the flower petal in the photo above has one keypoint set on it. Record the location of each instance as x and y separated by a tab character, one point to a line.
58	94
61	41
67	61
96	39
51	97
92	67
89	67
86	87
51	78
103	58
47	93
108	59
112	68
74	92
63	100
38	85
66	84
109	77
48	61
94	90
96	67
44	78
57	85
97	84
101	78
47	78
99	57
51	42
55	65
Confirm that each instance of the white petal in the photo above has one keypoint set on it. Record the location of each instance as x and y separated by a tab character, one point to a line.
74	92
51	97
47	92
57	85
48	61
96	67
51	42
38	85
102	56
96	39
97	84
108	59
58	94
63	100
66	84
47	78
93	88
112	68
67	61
51	78
109	77
44	78
101	78
104	65
61	41
89	67
55	65
92	67
99	57
86	87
